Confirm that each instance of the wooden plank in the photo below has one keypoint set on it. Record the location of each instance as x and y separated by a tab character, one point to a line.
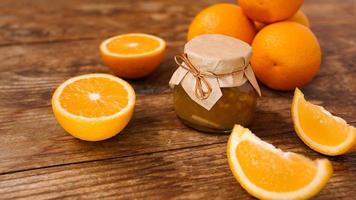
45	66
156	156
69	57
193	173
31	138
42	67
26	21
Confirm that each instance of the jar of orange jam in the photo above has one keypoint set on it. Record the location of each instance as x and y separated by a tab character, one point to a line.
214	87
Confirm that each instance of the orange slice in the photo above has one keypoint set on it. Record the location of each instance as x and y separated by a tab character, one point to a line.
133	55
319	129
269	173
93	107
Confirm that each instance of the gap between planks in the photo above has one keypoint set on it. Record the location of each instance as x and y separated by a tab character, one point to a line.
112	158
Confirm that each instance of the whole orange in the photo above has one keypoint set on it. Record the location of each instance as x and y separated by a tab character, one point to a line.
285	55
269	11
226	19
298	17
301	18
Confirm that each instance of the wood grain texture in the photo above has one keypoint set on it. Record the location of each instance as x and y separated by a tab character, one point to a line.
155	157
191	173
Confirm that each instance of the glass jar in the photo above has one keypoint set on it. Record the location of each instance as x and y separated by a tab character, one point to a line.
214	86
236	106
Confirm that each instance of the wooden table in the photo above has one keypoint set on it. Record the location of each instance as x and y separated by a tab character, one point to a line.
43	43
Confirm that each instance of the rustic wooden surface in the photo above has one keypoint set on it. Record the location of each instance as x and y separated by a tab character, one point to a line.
43	43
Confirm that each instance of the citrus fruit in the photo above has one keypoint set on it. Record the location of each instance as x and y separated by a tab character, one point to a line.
226	19
259	25
269	11
93	107
298	17
321	131
269	173
285	55
133	55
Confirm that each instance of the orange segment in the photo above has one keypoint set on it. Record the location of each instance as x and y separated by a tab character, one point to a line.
283	170
269	173
95	97
94	106
319	129
133	55
308	122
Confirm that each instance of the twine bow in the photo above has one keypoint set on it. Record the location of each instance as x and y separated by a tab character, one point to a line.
183	61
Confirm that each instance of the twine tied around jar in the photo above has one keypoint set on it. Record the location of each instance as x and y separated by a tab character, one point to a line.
199	77
183	61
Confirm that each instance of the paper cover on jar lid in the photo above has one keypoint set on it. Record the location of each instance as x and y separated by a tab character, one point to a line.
212	62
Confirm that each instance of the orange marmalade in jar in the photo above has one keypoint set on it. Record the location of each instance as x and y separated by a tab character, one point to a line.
214	85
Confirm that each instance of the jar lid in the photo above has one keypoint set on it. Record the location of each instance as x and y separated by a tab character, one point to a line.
211	62
218	54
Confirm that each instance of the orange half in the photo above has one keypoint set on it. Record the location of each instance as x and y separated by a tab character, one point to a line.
94	106
133	55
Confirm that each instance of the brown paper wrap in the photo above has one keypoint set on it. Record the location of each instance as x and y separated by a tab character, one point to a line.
221	60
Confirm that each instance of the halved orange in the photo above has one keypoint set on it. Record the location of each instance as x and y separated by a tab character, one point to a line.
269	173
93	107
133	55
319	129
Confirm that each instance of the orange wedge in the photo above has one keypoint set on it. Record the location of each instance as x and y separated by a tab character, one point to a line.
93	107
133	55
319	129
269	173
